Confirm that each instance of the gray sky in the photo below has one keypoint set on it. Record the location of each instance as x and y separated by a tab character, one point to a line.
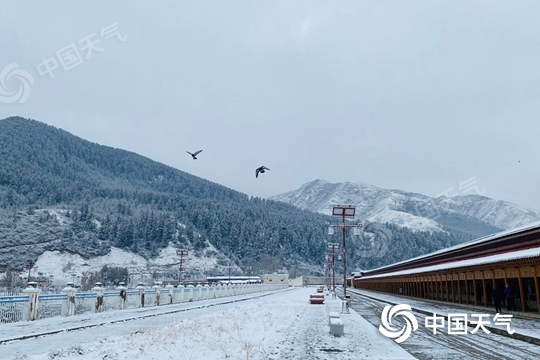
411	95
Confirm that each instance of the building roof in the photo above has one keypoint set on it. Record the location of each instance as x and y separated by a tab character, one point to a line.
512	255
522	238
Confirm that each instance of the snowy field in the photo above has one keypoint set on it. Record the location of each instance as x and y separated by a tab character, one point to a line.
282	325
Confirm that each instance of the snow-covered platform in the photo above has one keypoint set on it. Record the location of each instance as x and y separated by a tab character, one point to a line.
281	325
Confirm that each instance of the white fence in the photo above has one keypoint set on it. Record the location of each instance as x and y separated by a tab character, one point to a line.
34	305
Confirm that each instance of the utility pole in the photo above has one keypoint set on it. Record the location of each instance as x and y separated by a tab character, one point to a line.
344	211
181	253
326	270
31	264
333	247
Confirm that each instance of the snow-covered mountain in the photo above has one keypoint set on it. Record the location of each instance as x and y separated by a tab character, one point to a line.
59	192
499	213
474	214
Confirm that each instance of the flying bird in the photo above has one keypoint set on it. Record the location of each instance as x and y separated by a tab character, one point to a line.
194	155
260	170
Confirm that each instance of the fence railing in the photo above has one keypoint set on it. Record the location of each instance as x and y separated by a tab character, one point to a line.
34	305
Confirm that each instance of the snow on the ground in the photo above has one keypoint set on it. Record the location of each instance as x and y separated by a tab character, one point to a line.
415	223
60	216
525	326
168	256
278	326
65	266
425	343
309	338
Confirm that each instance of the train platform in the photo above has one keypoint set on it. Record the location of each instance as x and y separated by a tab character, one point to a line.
276	325
525	325
309	337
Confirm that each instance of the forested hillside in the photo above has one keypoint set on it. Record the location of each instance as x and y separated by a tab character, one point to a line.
60	192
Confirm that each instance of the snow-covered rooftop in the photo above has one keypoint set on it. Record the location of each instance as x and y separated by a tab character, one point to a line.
512	255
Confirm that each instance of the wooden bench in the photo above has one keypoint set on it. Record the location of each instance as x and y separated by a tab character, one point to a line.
316	299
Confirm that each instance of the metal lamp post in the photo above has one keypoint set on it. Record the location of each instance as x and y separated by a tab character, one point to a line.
333	247
344	211
328	265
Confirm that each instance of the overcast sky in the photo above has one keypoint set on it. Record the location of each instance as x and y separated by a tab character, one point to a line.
411	95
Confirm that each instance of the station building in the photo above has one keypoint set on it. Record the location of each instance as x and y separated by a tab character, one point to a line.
467	273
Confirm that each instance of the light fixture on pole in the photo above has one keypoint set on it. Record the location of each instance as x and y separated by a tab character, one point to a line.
344	211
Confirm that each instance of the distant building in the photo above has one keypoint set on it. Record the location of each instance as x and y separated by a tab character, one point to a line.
307	281
223	280
275	278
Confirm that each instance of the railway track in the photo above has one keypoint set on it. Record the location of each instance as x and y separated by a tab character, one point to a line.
423	344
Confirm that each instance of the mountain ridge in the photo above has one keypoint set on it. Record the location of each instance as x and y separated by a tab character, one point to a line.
416	211
61	193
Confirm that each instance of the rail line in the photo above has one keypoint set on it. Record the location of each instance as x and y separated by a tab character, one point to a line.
423	344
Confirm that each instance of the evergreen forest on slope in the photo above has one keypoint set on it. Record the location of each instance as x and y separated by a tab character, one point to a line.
112	197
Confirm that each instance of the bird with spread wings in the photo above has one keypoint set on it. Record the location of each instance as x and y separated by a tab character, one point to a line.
194	155
261	170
